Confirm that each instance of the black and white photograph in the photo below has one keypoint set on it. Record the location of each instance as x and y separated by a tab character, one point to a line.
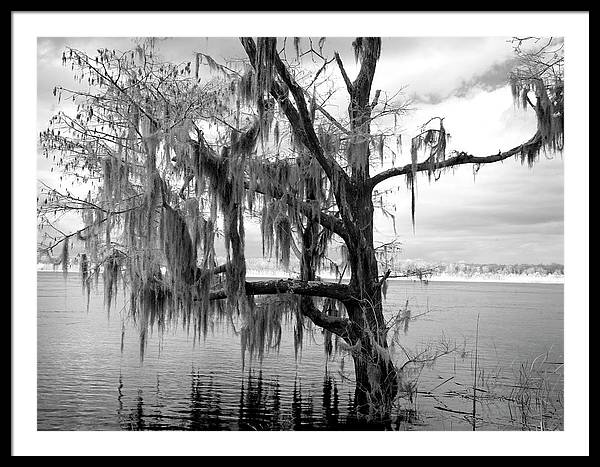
266	223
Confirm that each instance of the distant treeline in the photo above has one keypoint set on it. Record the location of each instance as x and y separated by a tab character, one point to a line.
461	268
493	268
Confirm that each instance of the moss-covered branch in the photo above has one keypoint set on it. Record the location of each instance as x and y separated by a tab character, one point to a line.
212	160
292	286
326	220
461	158
337	325
299	118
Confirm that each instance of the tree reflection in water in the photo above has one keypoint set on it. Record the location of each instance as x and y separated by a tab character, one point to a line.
205	404
262	405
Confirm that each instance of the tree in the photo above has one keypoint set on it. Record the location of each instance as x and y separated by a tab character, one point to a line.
165	153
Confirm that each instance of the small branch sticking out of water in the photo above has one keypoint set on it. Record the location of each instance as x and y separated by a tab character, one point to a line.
475	377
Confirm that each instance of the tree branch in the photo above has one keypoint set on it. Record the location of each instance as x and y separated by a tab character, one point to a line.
326	220
339	292
349	86
203	273
375	99
384	278
299	118
460	159
343	327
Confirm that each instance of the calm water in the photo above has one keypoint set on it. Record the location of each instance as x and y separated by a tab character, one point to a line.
91	377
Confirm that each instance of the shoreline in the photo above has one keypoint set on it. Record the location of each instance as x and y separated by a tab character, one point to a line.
508	279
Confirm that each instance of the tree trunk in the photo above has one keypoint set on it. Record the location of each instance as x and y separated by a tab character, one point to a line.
376	384
376	381
376	376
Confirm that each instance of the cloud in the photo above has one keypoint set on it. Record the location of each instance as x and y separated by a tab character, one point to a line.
493	78
434	68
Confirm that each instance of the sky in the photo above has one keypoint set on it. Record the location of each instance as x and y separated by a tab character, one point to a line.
506	213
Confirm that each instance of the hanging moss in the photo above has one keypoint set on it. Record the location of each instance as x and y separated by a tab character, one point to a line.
159	180
549	109
265	58
65	257
178	247
284	238
380	146
298	330
262	329
367	48
111	272
246	86
84	269
411	176
330	309
276	134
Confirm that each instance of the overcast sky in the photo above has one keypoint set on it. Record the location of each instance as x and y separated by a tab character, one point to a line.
507	213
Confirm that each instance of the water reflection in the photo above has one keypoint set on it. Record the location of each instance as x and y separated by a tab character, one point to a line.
135	420
260	404
302	412
205	404
146	416
260	407
331	411
80	356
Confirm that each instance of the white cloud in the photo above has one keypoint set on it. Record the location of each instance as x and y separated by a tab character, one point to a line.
437	66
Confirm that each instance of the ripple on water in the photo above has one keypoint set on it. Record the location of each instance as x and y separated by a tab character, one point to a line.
86	383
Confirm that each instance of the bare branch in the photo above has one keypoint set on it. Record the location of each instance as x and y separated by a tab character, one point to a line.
376	98
349	86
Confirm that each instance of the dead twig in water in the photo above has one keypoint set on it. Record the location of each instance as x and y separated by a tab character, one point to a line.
475	377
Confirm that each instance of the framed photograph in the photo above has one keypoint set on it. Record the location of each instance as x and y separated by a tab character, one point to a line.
267	222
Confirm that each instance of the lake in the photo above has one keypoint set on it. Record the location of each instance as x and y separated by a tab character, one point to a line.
90	375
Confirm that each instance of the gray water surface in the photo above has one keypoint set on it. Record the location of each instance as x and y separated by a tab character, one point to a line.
86	382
